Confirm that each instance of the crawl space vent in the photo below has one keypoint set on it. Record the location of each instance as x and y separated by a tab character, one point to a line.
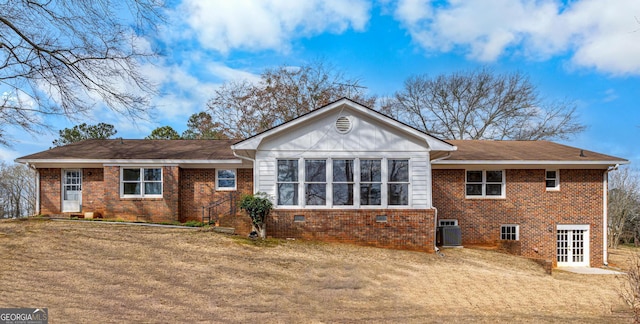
343	124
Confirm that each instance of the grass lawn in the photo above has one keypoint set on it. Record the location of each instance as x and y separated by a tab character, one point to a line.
99	272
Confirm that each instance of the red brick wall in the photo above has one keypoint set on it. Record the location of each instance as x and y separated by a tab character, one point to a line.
165	209
93	199
50	191
408	229
198	189
527	204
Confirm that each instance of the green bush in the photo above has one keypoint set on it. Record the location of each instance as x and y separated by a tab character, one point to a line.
258	207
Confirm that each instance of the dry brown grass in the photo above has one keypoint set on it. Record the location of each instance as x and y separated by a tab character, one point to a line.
96	272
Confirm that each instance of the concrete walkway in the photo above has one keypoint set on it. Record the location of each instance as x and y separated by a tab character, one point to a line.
126	223
586	270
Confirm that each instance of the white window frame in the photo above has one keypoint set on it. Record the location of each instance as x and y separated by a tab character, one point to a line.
556	179
384	183
351	182
306	182
142	182
407	182
515	227
296	184
484	184
235	180
447	222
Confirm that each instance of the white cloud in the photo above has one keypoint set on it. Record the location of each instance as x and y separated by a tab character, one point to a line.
185	90
603	35
609	95
224	25
227	73
8	155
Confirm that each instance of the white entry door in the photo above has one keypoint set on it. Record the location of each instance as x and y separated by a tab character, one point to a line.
572	245
71	191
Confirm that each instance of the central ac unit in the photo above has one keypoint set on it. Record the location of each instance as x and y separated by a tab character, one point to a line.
448	236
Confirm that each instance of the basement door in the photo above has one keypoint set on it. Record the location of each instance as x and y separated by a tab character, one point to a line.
71	191
572	245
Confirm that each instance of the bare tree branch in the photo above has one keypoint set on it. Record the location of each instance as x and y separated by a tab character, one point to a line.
483	105
283	93
64	57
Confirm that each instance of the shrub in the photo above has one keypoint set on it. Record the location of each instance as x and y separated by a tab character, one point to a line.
258	207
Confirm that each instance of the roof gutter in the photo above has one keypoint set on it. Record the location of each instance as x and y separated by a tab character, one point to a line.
442	158
524	162
253	163
605	213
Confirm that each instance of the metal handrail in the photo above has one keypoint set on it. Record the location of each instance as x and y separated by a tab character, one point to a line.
212	206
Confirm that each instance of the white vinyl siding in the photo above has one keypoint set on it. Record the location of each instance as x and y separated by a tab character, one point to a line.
368	139
420	177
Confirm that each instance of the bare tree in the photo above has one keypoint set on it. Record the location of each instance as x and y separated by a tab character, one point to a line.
630	290
62	57
623	206
282	94
482	104
17	190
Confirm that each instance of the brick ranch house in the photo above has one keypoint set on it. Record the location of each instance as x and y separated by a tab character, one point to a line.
347	173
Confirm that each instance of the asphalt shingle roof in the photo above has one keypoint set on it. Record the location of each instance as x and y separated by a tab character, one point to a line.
117	149
483	150
468	150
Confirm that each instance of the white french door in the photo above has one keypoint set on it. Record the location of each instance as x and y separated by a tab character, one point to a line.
71	191
572	246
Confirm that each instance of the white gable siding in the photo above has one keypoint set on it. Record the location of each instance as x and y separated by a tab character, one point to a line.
366	135
367	139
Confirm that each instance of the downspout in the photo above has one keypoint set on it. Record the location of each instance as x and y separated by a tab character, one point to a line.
253	163
435	216
37	179
605	213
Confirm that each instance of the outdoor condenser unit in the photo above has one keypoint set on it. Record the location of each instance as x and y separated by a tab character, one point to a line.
449	236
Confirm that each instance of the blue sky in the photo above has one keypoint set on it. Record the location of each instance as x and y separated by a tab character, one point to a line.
587	51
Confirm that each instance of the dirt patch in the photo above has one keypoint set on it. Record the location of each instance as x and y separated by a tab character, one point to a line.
88	272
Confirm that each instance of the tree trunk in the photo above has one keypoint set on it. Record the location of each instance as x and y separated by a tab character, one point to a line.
262	231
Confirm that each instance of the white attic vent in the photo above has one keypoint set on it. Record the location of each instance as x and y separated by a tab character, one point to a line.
343	124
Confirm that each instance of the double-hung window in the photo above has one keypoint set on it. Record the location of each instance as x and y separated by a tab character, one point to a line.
287	182
315	182
485	183
370	182
141	182
343	182
226	179
552	181
398	184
